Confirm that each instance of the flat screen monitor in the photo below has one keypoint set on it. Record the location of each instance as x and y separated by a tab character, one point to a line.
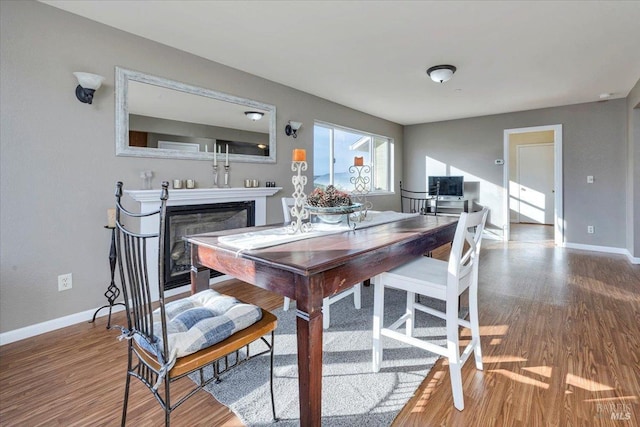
446	186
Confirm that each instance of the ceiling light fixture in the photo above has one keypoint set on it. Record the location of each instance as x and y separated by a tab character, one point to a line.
254	115
441	73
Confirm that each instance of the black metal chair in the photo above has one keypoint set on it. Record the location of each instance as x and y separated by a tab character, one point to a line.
417	202
154	356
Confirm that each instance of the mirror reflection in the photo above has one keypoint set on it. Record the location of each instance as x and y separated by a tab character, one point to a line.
161	118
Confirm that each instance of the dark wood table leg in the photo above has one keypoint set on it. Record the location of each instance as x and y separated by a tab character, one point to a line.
199	275
309	332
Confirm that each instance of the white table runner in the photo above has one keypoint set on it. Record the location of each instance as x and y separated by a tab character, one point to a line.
277	236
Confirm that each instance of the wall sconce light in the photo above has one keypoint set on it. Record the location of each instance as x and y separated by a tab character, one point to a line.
88	84
292	128
254	115
441	73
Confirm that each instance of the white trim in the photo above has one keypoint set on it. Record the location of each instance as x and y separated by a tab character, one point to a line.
202	195
51	325
632	259
83	316
606	249
558	180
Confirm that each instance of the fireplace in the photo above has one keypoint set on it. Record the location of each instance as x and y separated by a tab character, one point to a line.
148	200
195	219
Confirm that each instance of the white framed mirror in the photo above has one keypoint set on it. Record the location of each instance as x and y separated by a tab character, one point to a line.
162	118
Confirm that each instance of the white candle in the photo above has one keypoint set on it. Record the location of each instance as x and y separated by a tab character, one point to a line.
226	162
111	218
215	155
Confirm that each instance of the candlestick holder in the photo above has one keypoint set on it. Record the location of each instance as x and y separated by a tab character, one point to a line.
215	176
146	179
298	211
226	176
361	187
112	293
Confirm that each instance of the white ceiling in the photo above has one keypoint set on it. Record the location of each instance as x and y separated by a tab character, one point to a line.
372	55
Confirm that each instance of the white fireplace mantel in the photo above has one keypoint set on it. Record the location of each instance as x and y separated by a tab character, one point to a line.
149	200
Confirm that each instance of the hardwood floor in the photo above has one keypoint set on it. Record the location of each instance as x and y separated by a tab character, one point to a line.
560	339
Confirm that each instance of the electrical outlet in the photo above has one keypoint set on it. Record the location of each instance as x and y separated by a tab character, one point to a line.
590	229
65	282
589	179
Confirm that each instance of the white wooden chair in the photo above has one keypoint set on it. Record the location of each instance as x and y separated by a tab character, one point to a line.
356	290
444	281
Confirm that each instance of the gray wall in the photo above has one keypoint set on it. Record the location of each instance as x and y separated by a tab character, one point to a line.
594	143
58	168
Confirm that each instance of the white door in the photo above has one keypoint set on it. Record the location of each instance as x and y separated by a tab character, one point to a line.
535	183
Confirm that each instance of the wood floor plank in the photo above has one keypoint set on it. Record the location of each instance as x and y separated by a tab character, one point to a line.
560	337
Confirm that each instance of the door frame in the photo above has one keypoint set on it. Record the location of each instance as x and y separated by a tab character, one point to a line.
558	213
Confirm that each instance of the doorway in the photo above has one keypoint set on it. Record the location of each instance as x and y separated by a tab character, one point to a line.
532	201
533	179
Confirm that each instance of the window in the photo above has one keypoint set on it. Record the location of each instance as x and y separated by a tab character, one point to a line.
334	150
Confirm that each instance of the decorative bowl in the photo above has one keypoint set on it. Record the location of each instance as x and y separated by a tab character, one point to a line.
333	214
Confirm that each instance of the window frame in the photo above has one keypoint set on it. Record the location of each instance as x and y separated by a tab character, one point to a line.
390	154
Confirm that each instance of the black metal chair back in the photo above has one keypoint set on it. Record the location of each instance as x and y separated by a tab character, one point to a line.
132	249
154	364
416	202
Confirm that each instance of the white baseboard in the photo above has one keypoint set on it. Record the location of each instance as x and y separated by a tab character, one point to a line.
607	249
72	319
52	325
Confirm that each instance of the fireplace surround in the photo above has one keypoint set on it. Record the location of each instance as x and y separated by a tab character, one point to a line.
148	200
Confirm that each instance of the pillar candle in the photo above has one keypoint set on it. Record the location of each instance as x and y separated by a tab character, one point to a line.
299	155
358	161
111	217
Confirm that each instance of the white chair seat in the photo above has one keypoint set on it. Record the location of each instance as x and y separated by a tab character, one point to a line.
440	280
356	290
425	276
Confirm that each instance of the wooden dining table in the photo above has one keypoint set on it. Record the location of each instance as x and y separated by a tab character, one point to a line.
309	270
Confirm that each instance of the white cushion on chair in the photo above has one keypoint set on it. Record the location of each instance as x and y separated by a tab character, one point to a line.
424	275
201	320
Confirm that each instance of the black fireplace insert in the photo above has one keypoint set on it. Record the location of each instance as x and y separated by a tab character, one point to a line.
195	219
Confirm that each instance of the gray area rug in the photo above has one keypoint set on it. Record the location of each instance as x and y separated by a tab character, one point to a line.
352	395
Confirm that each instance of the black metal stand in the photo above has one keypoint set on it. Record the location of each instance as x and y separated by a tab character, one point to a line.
112	292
